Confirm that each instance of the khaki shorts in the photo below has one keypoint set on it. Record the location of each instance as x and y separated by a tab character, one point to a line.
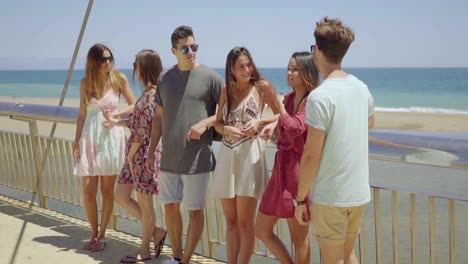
331	225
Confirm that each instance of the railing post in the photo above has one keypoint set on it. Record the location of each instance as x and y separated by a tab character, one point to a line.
219	221
209	227
362	248
33	131
452	230
378	234
396	239
413	228
432	241
205	238
114	220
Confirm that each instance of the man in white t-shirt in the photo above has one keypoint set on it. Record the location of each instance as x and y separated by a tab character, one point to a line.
335	161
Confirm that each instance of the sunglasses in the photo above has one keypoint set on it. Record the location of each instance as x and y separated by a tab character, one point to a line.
185	49
105	59
312	49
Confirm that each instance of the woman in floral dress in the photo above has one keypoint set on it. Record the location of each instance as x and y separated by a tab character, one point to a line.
134	175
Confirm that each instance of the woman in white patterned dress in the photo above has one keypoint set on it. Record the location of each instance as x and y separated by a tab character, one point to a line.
99	149
241	174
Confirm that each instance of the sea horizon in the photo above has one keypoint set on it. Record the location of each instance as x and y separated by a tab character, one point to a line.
395	89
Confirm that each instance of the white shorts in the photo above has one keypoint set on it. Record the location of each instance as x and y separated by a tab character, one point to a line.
189	189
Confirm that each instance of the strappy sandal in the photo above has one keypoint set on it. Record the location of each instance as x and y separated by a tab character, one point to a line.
158	248
90	244
99	245
134	259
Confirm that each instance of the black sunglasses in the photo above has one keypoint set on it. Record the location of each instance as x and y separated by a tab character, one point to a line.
312	49
185	49
105	59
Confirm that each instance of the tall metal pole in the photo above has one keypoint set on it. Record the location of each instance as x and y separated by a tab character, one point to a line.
72	63
44	157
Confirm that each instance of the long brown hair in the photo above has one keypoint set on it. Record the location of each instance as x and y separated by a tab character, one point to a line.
308	70
150	67
95	79
231	59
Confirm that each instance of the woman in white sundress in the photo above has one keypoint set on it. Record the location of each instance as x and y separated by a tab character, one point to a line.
241	173
99	148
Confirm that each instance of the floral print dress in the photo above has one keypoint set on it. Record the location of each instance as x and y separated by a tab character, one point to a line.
140	123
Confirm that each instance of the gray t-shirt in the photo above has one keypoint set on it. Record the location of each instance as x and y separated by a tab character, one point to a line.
187	97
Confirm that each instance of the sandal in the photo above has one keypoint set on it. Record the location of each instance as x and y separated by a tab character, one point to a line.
89	245
158	248
99	245
135	259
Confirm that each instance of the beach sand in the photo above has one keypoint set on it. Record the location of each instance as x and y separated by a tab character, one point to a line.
431	122
428	122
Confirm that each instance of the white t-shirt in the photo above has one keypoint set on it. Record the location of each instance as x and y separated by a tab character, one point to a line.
341	107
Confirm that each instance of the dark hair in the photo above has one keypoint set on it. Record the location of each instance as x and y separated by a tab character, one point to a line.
181	32
150	66
231	59
333	38
308	70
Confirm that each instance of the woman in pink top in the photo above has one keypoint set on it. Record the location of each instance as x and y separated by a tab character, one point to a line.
277	200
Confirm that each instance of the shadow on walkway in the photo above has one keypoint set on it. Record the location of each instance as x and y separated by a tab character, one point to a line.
38	235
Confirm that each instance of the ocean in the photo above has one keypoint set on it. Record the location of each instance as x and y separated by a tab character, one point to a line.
442	90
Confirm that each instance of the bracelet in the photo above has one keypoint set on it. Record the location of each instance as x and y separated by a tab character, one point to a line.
297	198
298	202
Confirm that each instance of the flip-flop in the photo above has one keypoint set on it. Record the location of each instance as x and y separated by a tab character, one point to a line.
134	259
90	244
99	245
158	248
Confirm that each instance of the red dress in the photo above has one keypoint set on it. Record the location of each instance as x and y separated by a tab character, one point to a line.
277	200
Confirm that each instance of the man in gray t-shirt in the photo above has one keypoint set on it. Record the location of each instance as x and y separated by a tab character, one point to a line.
187	96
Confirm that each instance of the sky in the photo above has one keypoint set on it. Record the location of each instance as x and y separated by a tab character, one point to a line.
42	34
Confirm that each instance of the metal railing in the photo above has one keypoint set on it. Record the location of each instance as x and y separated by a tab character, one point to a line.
43	166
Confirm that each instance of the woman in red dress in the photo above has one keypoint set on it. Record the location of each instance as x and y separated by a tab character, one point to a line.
277	200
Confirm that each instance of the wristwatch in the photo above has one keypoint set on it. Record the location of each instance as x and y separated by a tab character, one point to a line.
297	202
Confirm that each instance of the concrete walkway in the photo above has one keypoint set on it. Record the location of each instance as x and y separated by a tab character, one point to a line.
38	235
